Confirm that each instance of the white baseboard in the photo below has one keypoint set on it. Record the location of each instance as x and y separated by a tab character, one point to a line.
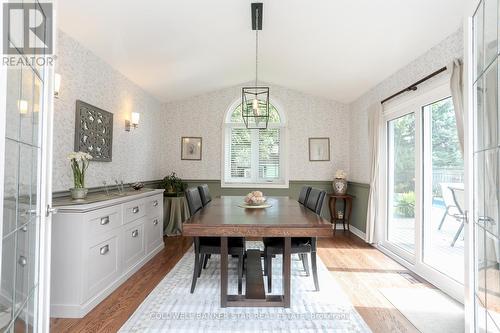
354	230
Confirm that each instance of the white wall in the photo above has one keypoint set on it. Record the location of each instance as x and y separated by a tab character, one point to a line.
307	116
90	79
437	57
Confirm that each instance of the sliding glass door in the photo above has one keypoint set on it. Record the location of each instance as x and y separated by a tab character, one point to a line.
401	170
443	190
424	175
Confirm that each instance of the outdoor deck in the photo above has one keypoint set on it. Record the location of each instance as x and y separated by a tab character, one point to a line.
438	251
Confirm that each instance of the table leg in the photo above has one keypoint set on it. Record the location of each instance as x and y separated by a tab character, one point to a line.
349	215
344	215
223	272
287	271
333	213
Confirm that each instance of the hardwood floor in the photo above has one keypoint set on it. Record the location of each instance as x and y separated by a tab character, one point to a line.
359	268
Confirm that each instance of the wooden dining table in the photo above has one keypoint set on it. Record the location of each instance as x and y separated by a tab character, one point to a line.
223	217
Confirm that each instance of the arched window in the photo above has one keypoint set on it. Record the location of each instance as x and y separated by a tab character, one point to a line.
253	156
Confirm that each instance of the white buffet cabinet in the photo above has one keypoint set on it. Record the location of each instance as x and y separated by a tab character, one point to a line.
97	245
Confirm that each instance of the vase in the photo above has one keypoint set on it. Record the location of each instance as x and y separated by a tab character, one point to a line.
78	193
339	186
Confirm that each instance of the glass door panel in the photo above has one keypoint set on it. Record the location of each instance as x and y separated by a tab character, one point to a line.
401	182
444	218
485	218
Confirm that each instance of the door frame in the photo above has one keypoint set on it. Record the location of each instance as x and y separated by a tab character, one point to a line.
434	90
46	186
468	80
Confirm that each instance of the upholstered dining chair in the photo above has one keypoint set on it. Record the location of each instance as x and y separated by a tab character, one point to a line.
204	246
304	193
204	194
300	245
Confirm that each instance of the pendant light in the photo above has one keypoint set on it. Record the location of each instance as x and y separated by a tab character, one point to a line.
255	100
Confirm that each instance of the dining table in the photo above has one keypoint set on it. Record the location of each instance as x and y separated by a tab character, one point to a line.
284	217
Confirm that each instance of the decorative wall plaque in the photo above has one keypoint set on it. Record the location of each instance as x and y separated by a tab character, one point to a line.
94	131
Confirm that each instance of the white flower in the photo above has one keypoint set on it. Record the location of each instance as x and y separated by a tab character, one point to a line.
79	156
340	174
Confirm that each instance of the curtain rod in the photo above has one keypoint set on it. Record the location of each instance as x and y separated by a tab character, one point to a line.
413	87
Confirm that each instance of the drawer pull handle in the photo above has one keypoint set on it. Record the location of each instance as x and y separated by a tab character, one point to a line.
155	221
22	261
155	203
135	233
135	210
103	250
104	220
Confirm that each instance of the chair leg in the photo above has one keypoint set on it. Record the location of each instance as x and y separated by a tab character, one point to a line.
205	260
265	263
195	271
202	259
314	270
240	273
269	273
459	231
443	218
305	263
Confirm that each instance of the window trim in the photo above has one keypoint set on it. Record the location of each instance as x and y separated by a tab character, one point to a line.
227	125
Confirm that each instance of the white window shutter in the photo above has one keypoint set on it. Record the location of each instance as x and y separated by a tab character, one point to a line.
240	152
269	154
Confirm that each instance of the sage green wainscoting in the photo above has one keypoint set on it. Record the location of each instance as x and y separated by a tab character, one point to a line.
360	192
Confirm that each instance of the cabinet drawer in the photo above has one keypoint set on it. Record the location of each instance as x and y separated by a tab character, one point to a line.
103	266
134	210
103	220
133	239
154	233
154	205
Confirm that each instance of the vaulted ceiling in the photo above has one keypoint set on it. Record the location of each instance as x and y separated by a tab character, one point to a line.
337	49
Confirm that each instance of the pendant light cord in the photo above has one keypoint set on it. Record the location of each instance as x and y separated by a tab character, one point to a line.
256	46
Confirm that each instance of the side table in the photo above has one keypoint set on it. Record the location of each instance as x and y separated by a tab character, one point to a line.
346	214
175	212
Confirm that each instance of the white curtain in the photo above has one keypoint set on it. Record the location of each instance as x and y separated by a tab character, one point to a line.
374	123
455	69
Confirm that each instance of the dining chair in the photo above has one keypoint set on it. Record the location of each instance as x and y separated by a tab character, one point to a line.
205	194
304	193
205	246
300	245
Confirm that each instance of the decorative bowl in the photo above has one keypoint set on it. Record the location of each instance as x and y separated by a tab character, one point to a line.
260	202
137	186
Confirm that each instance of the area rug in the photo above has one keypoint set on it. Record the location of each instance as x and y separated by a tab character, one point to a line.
171	308
429	310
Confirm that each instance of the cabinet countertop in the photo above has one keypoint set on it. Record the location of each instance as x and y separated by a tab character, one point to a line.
101	200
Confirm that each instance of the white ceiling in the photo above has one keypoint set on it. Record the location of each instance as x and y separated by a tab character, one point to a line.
337	49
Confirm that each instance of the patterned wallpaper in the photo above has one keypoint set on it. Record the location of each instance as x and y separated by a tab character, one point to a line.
153	150
307	116
435	58
90	79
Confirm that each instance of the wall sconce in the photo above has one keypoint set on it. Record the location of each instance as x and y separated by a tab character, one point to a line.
57	85
134	122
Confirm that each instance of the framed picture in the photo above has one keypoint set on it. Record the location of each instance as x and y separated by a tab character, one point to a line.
191	148
319	149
